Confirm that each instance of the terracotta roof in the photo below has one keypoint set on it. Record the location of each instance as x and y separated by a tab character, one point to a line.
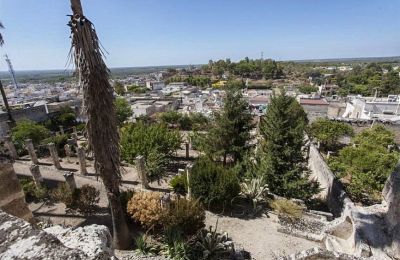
313	102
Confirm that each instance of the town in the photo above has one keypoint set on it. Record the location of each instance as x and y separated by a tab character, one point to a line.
251	158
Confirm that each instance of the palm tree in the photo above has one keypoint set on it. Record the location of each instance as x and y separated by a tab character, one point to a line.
3	94
103	137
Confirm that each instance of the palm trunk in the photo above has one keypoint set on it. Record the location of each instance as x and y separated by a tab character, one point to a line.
103	137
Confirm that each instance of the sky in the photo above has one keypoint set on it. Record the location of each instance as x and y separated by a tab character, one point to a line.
175	32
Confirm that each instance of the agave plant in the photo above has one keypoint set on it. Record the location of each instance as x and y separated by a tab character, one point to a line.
214	245
144	247
255	190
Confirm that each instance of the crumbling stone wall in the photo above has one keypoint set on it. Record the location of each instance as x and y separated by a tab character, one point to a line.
332	190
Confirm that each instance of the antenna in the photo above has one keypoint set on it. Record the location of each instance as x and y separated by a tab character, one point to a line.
262	55
11	70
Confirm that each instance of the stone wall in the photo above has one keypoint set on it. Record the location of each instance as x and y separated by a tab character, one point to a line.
332	190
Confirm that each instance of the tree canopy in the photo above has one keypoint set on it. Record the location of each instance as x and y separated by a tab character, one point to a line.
230	131
328	132
365	166
122	110
282	162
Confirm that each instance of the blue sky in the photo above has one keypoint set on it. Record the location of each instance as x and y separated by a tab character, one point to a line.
162	32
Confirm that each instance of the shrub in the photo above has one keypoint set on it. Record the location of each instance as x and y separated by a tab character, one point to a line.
59	141
33	193
83	199
212	183
179	184
145	208
186	215
287	208
87	199
28	130
64	194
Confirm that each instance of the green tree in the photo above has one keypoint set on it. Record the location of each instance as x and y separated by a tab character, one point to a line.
119	88
122	109
155	142
307	89
230	132
282	163
365	166
65	117
328	132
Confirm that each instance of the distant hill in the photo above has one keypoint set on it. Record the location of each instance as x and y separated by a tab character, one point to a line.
351	60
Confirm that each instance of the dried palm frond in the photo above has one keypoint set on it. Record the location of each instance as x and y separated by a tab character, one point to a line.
93	75
102	132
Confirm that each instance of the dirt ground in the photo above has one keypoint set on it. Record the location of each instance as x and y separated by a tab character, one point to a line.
259	236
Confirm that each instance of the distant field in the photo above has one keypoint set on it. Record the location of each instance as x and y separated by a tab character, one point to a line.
62	75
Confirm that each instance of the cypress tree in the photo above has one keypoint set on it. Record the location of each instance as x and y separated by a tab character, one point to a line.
282	162
231	130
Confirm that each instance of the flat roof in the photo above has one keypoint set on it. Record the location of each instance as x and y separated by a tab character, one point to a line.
313	102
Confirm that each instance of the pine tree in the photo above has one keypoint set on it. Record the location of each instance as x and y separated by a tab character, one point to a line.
282	162
231	130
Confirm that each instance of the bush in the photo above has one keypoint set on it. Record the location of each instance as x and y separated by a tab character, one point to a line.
179	184
28	130
212	183
145	208
185	215
65	195
83	199
32	193
59	141
287	208
88	199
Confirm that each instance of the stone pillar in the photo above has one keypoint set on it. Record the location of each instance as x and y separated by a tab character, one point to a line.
37	176
11	148
62	129
70	179
12	197
31	151
54	155
82	160
166	201
75	138
68	150
189	178
187	149
141	170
